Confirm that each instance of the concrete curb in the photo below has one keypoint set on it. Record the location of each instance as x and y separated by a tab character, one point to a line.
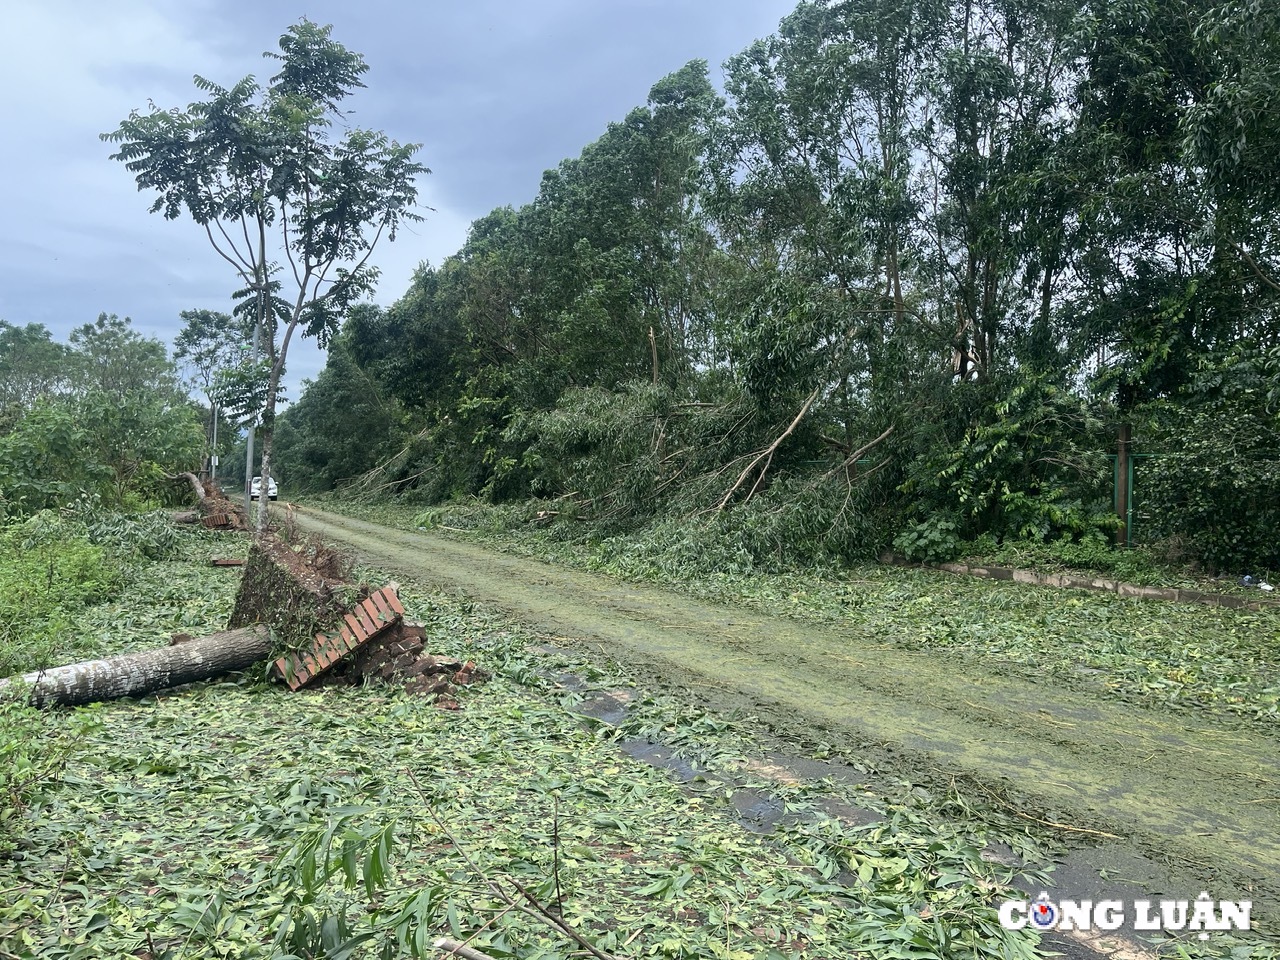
1098	585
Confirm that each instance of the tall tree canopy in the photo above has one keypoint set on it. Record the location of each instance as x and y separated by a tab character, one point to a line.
294	203
909	275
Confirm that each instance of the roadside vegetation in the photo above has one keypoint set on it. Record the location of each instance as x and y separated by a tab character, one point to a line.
905	281
234	819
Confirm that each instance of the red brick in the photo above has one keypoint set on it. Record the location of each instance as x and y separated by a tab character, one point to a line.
357	628
370	627
384	608
370	609
394	601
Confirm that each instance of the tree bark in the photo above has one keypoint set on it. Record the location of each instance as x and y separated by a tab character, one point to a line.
196	485
135	674
453	948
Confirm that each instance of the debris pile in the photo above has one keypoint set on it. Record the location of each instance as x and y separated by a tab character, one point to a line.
401	657
220	512
215	509
374	643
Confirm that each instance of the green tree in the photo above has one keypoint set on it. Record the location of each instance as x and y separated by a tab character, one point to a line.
288	203
209	343
45	461
140	423
346	421
32	367
1208	495
1232	134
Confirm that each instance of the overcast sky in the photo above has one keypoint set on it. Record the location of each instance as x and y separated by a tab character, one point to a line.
497	91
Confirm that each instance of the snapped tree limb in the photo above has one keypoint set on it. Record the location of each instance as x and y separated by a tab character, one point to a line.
765	456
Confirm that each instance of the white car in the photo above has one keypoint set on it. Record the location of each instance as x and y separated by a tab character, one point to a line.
255	489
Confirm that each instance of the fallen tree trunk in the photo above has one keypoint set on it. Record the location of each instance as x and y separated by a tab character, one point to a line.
196	485
135	674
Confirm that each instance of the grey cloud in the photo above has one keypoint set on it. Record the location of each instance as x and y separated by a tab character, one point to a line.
497	91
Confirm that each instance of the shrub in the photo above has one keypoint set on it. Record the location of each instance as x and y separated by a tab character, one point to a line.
933	541
1030	467
1213	493
145	536
51	569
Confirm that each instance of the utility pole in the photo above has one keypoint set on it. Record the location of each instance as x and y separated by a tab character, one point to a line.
248	462
213	457
1124	473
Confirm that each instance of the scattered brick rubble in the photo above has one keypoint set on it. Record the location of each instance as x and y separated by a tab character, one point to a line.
219	512
375	643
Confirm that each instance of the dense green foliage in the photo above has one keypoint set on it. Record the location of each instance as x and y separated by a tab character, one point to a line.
104	414
1215	498
50	571
999	230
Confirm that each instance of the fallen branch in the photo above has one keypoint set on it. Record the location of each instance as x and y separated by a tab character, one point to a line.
196	485
527	904
766	455
857	454
455	949
1049	823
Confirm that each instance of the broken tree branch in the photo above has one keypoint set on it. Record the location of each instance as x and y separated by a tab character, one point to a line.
766	455
191	478
455	949
532	907
1254	264
857	454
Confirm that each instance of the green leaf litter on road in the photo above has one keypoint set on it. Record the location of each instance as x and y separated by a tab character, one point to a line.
170	821
233	819
1214	661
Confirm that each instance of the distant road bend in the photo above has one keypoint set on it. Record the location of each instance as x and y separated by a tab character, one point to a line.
1177	786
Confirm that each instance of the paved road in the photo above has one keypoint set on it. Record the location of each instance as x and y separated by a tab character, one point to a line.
1178	787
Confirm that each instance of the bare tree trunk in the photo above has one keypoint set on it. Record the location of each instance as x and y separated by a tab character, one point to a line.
134	674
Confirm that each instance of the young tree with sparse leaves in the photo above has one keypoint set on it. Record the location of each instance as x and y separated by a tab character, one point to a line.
293	206
210	343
